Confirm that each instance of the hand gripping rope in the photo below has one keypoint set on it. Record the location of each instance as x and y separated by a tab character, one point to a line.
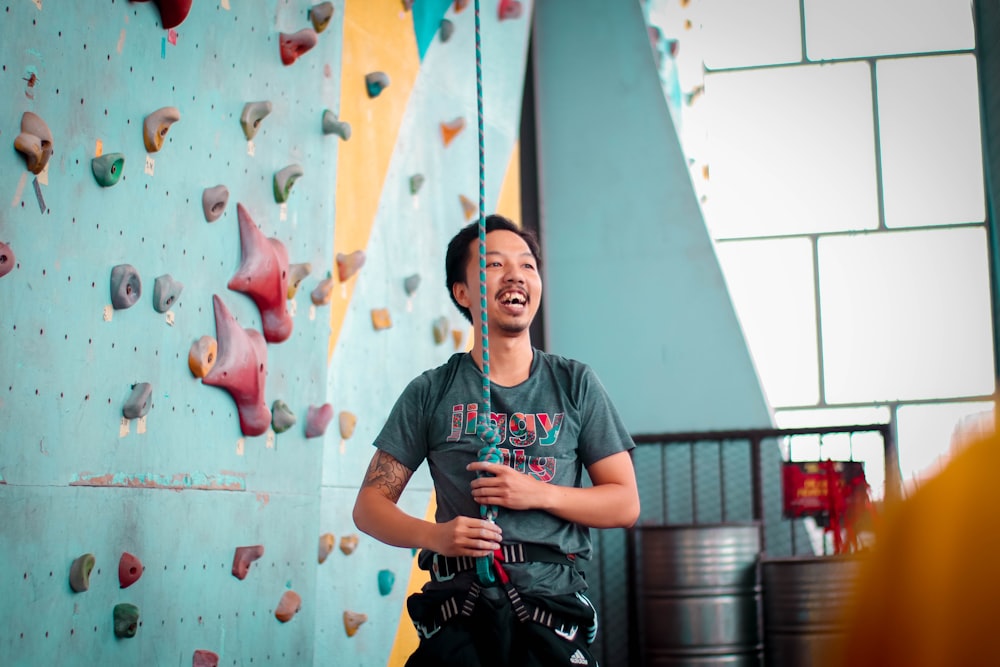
484	427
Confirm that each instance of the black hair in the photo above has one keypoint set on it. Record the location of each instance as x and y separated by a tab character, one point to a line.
457	258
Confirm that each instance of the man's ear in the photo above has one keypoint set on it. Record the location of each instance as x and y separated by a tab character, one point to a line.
461	293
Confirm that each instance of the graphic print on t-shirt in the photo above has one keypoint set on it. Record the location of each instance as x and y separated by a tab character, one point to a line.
518	431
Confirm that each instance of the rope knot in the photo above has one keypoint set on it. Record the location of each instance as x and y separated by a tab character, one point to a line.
488	435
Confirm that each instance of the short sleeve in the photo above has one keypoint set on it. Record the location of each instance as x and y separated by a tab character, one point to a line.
602	431
404	435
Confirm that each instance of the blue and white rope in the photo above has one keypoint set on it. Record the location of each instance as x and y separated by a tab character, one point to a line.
484	427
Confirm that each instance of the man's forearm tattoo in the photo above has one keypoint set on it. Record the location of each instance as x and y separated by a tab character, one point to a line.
387	475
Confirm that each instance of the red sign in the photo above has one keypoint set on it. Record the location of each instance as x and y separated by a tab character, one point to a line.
817	488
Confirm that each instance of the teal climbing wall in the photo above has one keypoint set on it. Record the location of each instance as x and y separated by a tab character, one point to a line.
183	487
409	236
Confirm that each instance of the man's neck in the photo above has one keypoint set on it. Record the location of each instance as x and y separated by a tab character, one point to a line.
510	359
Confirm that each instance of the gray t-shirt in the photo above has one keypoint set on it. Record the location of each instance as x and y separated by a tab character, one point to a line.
550	426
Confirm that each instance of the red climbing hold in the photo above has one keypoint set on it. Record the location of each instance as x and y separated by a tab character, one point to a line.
244	558
129	570
317	419
294	45
509	9
172	12
205	659
240	369
263	276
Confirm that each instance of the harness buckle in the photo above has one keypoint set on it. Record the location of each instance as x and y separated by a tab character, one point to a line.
439	568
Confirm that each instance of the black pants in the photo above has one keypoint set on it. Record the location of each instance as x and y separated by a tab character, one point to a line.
492	636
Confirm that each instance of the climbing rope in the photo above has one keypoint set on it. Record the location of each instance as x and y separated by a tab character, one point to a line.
484	427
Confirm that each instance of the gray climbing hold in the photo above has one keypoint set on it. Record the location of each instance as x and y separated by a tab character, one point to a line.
282	417
331	125
447	28
139	402
126	286
165	292
411	283
213	202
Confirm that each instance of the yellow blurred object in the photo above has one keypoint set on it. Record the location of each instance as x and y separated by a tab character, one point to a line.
929	595
381	318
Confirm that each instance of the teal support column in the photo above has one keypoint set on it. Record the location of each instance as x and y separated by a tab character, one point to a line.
632	283
633	286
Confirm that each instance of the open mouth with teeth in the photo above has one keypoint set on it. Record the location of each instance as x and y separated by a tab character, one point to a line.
513	301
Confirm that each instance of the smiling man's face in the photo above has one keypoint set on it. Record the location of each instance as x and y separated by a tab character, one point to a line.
513	284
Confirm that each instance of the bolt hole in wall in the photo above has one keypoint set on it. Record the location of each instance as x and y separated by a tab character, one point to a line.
861	278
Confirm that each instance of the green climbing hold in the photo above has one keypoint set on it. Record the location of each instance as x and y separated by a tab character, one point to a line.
385	581
126	620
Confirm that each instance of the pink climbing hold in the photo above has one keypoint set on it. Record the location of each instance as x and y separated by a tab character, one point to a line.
509	9
129	570
244	558
288	606
317	419
323	293
348	265
352	621
263	276
6	259
240	369
204	658
293	45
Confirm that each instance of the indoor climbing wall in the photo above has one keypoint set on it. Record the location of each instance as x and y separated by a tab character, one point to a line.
409	170
148	328
222	234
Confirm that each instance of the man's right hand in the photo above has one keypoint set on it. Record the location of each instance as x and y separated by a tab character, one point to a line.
465	536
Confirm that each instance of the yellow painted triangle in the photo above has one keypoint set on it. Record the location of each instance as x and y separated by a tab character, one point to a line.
378	37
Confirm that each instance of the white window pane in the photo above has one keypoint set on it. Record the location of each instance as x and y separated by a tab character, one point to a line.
853	28
929	435
831	417
791	151
771	285
932	164
740	33
906	315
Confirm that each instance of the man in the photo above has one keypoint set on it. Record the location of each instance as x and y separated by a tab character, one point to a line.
553	418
